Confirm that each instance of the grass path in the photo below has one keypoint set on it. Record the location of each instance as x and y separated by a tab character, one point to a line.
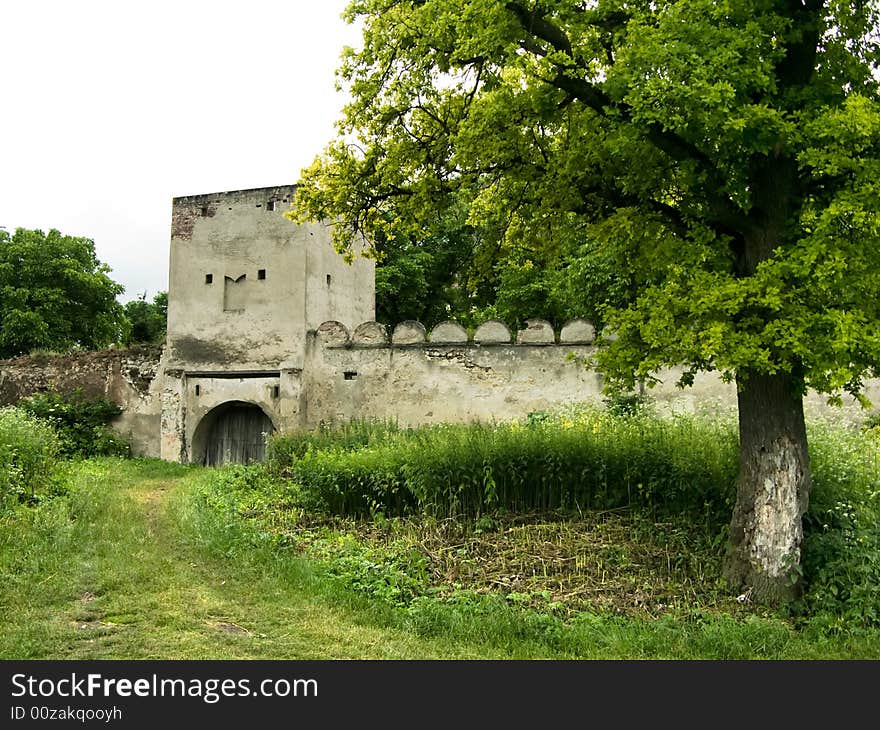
112	575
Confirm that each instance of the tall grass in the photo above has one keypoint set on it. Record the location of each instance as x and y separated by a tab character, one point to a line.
284	449
598	460
587	461
29	448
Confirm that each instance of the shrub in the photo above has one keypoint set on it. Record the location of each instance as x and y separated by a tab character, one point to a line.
284	449
586	460
29	448
841	556
82	423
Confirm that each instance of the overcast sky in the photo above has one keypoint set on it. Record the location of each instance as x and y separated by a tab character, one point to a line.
111	108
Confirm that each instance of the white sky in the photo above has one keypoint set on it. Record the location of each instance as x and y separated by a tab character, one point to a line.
111	108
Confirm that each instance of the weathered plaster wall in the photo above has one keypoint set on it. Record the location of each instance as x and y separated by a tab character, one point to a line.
416	381
221	313
371	372
419	377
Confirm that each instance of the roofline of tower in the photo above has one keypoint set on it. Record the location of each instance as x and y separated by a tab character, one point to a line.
288	189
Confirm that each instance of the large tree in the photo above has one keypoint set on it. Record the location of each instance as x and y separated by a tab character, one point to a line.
55	294
726	154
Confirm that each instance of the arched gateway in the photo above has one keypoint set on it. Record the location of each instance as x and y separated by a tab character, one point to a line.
232	433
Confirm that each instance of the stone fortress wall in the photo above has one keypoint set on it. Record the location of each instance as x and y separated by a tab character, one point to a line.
372	371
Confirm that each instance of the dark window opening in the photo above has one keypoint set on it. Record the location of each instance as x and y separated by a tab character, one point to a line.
349	375
198	390
276	391
270	205
329	279
261	274
209	278
204	211
259	205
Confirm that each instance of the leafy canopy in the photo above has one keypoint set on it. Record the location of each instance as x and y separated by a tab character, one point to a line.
724	157
147	321
55	294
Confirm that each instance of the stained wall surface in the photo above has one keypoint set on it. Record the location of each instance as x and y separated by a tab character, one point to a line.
244	281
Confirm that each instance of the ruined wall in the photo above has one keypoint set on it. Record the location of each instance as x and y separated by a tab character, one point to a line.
130	378
372	371
443	376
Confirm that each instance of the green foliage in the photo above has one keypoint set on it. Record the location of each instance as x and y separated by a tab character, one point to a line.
699	175
147	320
681	469
29	449
586	460
284	449
55	294
841	561
81	423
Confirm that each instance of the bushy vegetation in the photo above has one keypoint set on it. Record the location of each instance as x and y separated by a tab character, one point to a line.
672	476
583	460
841	560
82	423
29	449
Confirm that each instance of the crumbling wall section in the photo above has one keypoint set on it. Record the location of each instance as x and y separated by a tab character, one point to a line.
130	378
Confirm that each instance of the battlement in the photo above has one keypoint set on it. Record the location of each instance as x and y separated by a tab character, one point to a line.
493	332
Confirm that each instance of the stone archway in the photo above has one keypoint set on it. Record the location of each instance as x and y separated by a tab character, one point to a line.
234	432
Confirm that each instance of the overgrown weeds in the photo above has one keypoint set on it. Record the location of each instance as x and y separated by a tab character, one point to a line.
29	449
82	423
584	510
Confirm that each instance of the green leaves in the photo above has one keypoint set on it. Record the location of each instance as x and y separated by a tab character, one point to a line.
55	294
703	176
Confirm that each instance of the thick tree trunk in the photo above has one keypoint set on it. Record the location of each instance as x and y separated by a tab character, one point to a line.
772	489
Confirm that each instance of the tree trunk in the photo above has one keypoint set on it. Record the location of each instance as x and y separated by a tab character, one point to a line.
772	489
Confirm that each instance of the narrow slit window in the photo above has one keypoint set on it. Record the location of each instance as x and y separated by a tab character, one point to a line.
276	391
329	279
261	274
198	390
209	278
204	211
270	205
349	374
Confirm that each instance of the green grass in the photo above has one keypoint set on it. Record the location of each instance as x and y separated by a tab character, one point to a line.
144	559
379	568
109	573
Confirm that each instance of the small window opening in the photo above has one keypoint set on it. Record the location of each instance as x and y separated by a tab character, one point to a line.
198	390
259	205
270	205
261	274
329	279
204	211
209	278
276	391
349	375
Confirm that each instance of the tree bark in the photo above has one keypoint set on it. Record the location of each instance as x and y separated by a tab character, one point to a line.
772	493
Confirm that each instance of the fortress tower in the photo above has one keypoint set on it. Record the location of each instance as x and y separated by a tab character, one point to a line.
245	285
